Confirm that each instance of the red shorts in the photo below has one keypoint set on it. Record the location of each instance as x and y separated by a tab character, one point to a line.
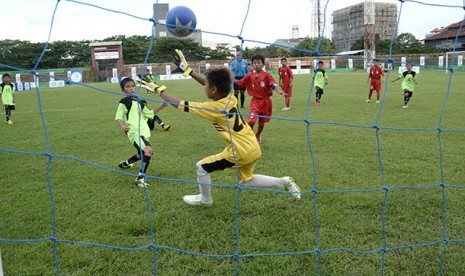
375	84
262	107
287	90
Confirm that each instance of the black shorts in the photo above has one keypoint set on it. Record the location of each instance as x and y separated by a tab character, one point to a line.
10	107
319	90
408	93
144	141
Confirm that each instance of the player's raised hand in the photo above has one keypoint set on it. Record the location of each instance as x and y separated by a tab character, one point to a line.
181	62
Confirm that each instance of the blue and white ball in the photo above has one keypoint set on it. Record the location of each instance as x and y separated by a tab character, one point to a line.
181	21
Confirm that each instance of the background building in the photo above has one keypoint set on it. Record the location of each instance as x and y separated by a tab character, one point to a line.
159	13
444	38
349	25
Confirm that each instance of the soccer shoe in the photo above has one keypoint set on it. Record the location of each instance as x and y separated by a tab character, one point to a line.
404	106
377	102
289	185
125	165
140	182
166	127
317	102
368	101
9	122
196	200
286	108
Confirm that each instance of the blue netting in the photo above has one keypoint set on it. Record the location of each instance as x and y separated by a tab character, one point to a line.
313	192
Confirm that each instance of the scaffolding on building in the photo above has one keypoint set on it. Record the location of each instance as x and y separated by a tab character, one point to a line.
369	36
350	23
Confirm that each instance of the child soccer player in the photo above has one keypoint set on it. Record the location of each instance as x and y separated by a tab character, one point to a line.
285	82
7	90
408	83
148	76
131	116
260	85
240	68
241	144
375	78
321	79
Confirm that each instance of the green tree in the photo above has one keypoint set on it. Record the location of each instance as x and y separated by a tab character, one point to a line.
19	54
68	54
308	45
134	47
164	48
220	53
405	43
381	45
59	54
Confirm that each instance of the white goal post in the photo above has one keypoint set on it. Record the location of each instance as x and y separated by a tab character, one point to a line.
1	268
454	57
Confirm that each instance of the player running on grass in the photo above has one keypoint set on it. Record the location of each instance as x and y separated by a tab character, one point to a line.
131	116
7	91
260	85
321	79
408	83
242	147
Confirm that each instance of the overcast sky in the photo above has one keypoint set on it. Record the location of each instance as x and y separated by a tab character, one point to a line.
267	20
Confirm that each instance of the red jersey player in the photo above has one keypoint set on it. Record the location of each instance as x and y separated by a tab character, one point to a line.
376	77
260	85
285	82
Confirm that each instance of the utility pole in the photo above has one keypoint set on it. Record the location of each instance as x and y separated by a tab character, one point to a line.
316	23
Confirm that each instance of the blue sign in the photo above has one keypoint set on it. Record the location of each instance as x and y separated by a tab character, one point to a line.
76	76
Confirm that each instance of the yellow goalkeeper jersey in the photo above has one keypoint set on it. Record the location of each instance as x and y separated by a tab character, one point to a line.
229	123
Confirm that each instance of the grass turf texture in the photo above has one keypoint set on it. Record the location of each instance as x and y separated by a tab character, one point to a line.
96	203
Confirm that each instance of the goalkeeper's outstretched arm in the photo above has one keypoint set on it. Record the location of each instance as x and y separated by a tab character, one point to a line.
199	78
172	100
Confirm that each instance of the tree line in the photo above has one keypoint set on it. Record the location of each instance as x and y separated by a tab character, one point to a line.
73	54
405	43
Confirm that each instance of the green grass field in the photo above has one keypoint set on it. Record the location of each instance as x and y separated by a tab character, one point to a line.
100	223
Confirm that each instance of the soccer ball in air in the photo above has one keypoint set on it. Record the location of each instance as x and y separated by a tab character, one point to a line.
181	21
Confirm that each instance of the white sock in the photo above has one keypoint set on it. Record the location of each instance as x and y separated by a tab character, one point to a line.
263	181
204	177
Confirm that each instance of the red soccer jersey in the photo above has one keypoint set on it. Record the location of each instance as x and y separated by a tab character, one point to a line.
376	72
258	84
286	76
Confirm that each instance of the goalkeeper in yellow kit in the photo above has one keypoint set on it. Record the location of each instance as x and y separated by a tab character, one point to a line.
242	147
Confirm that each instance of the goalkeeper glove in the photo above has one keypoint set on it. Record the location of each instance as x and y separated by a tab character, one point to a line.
150	86
181	62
